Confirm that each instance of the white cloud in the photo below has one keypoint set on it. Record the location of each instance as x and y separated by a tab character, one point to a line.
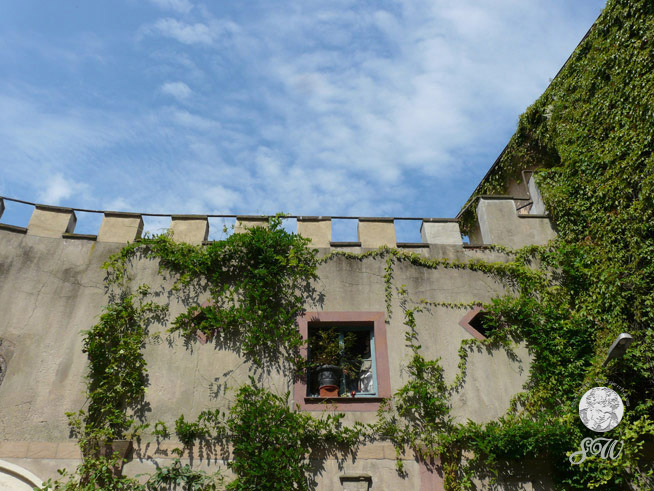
181	6
178	90
57	188
211	31
198	33
417	88
222	198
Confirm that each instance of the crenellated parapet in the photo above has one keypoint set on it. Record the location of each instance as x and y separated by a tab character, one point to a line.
193	229
501	220
501	224
513	221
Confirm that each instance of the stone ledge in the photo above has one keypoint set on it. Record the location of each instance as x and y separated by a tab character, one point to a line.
79	236
376	219
54	208
122	214
345	244
412	245
70	450
533	216
39	450
13	228
313	218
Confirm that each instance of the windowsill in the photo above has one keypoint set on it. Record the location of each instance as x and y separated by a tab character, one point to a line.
363	404
342	400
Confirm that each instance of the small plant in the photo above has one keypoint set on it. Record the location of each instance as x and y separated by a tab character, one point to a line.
178	476
333	353
93	474
161	430
188	432
327	348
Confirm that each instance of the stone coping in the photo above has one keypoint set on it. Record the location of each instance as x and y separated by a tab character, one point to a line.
54	208
313	218
188	217
13	228
376	219
253	217
79	236
122	214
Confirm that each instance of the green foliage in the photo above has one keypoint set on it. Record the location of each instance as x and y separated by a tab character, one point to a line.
258	281
189	431
326	349
277	458
184	478
271	443
160	430
93	474
116	382
418	416
117	369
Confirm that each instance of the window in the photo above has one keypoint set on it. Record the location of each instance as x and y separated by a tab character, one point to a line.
476	323
352	353
357	343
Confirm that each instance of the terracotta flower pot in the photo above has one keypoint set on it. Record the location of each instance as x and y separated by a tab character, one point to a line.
329	391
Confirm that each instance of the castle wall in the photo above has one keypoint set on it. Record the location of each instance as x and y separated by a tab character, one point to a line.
51	289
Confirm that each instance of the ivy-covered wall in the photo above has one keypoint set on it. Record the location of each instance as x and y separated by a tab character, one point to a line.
591	135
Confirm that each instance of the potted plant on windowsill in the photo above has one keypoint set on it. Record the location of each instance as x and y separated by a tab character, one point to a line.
330	357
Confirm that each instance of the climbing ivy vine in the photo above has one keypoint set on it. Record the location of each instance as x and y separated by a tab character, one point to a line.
116	385
591	135
258	282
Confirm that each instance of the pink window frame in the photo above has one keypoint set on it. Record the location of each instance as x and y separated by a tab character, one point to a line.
465	322
377	319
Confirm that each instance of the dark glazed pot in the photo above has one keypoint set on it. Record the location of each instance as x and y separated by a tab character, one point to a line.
329	375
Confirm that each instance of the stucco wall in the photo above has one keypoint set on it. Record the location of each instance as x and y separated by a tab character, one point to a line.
52	288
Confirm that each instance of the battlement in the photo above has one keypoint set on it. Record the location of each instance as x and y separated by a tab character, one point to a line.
52	287
501	220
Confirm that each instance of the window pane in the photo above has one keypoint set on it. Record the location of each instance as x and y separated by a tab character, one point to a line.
356	358
361	346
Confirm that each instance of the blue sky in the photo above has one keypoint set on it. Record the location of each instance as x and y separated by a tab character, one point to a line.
310	108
